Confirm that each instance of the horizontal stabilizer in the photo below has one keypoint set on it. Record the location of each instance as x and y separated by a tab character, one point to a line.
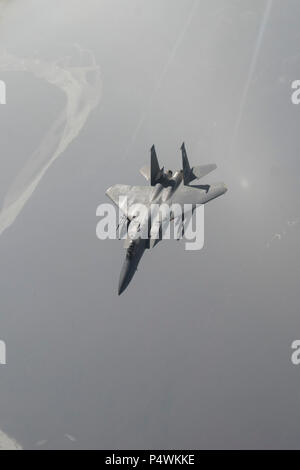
146	172
201	171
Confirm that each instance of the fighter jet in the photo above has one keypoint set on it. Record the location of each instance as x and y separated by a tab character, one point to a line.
166	187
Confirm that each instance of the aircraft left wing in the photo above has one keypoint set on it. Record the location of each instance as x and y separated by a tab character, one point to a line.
125	196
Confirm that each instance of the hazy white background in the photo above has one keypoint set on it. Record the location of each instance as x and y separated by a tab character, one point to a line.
196	353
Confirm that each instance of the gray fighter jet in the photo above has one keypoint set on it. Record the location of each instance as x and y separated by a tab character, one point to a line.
166	187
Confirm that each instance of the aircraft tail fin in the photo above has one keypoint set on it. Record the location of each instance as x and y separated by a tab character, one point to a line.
155	170
185	165
195	173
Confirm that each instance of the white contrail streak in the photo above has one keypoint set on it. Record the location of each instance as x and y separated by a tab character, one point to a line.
81	85
7	443
258	43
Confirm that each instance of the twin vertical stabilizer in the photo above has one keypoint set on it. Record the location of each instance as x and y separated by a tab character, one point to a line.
195	173
185	166
155	170
154	174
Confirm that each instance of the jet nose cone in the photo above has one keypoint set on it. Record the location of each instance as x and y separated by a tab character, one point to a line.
122	286
120	289
124	277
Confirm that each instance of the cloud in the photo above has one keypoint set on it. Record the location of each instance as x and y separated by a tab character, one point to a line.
81	84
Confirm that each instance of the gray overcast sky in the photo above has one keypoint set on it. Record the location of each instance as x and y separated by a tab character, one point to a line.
196	353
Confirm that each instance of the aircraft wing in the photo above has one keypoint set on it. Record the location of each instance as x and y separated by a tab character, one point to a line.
189	194
125	196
